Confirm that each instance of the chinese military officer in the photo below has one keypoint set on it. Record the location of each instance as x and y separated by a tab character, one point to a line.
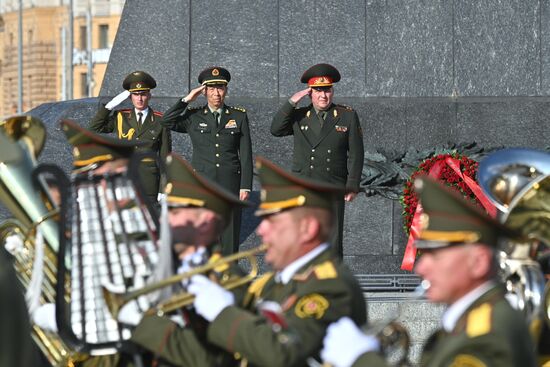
220	135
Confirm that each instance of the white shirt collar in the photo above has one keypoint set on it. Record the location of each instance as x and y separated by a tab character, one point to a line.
219	110
145	113
288	272
457	309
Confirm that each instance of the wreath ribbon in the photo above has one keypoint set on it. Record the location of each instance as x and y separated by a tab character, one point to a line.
435	171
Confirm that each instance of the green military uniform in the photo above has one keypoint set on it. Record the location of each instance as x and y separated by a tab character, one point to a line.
320	292
489	332
124	123
222	151
330	150
187	188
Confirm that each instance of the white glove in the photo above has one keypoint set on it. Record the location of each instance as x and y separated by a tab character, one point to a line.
44	317
117	100
210	298
130	314
345	342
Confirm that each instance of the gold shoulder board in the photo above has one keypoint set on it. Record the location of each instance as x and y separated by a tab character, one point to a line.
479	320
325	270
467	360
238	108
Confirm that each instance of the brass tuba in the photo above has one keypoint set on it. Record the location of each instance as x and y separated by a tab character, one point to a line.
517	181
21	141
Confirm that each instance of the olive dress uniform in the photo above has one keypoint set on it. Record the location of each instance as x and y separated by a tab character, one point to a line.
320	293
276	323
124	123
489	333
332	153
328	145
222	152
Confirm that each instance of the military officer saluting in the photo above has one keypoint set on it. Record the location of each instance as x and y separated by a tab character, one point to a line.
458	264
328	141
140	123
220	135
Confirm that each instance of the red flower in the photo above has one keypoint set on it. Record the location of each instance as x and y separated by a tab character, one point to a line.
409	199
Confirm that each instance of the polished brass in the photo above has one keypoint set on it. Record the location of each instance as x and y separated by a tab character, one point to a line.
115	301
21	140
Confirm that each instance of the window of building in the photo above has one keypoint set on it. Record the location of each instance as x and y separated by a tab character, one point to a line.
103	36
83	37
83	85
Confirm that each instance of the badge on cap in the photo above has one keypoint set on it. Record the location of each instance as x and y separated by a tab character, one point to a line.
215	72
138	85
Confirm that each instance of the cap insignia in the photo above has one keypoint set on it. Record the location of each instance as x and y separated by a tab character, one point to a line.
313	305
215	72
138	85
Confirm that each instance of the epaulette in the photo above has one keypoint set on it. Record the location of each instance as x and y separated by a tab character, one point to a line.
158	113
238	108
192	108
343	106
125	110
321	271
479	320
257	285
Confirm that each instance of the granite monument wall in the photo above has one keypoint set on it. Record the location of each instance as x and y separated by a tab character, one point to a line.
420	73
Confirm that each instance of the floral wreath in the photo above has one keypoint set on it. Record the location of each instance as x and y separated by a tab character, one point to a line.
456	171
468	167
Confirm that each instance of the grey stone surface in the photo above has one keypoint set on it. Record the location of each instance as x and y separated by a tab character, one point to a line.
153	36
497	47
326	31
382	48
409	49
245	42
504	122
545	48
367	220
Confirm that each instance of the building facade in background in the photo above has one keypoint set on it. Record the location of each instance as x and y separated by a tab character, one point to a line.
47	64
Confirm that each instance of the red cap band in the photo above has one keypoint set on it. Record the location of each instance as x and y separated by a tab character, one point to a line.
320	81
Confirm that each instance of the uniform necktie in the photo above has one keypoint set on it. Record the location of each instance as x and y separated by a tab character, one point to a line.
140	118
322	115
216	115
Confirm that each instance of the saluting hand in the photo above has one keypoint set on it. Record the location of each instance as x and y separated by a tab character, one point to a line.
244	194
296	97
350	196
194	94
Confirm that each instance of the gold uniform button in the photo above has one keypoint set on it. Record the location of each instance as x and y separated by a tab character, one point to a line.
217	154
312	158
310	167
328	159
217	145
237	355
328	151
312	150
217	164
217	135
328	168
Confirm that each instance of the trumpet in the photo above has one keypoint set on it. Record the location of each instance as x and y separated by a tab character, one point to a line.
115	301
